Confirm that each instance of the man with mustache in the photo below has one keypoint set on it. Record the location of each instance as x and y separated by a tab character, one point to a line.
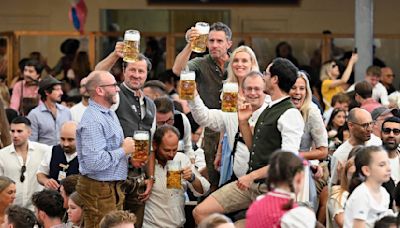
390	141
62	161
48	117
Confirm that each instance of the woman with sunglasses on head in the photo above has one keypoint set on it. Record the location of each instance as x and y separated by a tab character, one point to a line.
331	82
7	195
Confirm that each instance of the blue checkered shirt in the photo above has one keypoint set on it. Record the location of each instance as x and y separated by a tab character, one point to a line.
99	139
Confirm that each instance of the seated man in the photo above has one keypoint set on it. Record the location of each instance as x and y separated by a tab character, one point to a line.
165	207
62	161
19	217
48	208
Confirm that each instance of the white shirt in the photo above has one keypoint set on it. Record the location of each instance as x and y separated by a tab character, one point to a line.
379	93
166	207
11	164
395	168
291	126
185	144
77	112
45	164
218	120
343	151
361	205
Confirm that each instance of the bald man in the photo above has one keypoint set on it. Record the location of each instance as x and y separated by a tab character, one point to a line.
62	161
360	126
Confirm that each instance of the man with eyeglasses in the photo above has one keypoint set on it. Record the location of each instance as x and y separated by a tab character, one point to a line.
78	109
360	127
280	125
135	111
21	160
235	164
103	151
390	141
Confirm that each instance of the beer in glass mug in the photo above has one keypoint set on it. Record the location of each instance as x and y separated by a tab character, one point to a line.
174	175
199	45
131	47
187	85
142	146
230	97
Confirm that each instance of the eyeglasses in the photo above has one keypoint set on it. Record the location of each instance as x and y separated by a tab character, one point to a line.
266	73
250	89
114	85
169	121
365	125
387	131
23	170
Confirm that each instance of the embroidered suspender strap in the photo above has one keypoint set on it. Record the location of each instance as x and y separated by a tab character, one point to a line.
237	136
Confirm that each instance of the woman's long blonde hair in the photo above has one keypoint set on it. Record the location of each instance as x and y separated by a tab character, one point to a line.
305	108
325	70
254	64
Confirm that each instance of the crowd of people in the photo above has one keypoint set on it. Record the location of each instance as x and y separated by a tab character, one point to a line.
295	148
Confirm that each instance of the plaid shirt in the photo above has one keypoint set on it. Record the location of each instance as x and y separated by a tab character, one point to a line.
99	139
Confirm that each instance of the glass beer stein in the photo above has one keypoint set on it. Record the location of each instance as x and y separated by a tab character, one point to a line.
230	97
131	47
187	85
199	45
174	175
142	146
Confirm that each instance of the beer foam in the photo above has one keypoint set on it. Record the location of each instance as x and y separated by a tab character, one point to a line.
191	75
141	136
132	36
202	27
230	87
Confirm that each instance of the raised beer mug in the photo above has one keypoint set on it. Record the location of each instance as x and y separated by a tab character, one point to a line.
187	85
174	175
131	47
142	146
199	45
230	97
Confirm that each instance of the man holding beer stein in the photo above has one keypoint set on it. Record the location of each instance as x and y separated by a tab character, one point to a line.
174	173
135	111
210	71
102	151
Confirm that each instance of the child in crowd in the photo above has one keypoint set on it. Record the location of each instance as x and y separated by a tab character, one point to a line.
368	200
75	205
285	179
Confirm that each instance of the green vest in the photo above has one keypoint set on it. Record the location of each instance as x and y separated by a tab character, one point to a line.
267	138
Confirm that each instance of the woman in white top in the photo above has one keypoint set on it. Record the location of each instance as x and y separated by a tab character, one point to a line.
368	200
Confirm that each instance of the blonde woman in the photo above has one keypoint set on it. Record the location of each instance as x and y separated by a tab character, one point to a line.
314	142
331	83
242	61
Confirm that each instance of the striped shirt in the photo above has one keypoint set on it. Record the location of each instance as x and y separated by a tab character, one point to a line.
99	138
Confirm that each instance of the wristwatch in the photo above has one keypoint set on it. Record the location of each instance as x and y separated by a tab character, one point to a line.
192	178
152	178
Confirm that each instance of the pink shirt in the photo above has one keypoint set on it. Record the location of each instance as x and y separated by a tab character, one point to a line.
370	104
268	211
28	91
